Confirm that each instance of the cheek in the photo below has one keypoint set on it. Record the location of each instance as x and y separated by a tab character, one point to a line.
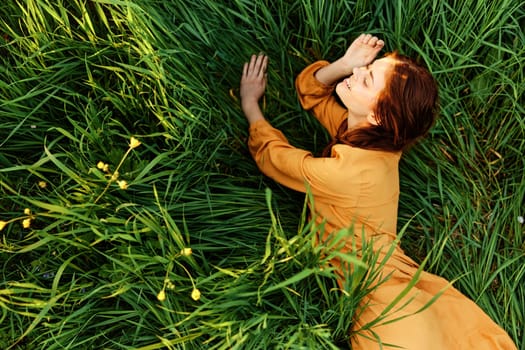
356	99
343	93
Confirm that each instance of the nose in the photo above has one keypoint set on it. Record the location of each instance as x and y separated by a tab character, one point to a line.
357	70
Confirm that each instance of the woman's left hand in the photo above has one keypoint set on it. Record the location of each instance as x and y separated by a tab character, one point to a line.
253	86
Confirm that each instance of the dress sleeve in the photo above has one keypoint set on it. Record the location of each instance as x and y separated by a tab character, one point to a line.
293	167
318	98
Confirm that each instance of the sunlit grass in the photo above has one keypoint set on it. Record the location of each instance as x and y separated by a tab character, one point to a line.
78	79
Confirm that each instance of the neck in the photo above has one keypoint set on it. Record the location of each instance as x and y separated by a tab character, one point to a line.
355	121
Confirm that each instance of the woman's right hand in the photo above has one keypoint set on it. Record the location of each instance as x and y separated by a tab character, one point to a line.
361	52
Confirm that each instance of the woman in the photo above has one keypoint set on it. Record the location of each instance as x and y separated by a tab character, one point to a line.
387	104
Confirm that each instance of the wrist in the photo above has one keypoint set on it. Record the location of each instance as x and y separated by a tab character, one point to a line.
252	111
249	103
344	67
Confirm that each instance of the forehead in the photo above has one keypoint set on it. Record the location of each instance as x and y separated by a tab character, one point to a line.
381	70
383	64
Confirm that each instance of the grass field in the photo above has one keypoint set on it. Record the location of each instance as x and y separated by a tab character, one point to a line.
133	217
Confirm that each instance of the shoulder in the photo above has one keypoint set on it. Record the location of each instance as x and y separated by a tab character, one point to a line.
353	165
375	172
364	158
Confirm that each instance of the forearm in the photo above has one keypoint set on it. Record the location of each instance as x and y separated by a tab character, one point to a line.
252	111
333	72
275	157
318	98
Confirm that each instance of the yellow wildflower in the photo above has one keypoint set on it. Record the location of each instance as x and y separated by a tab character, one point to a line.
26	223
134	143
2	225
103	166
196	294
27	211
42	184
162	295
122	184
186	252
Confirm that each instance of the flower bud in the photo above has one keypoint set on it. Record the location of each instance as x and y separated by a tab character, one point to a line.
122	184
162	295
186	252
195	294
134	143
26	223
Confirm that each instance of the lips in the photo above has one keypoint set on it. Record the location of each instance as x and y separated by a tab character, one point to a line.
347	82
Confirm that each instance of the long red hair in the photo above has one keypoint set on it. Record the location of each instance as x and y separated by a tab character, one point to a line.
406	109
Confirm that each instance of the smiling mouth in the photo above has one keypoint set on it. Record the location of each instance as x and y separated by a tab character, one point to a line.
347	82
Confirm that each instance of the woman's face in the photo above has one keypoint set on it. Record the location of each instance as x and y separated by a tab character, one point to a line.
360	91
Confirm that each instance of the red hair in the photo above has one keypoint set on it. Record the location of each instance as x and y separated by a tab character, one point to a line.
406	109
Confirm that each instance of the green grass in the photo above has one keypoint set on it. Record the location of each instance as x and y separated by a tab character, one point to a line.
79	78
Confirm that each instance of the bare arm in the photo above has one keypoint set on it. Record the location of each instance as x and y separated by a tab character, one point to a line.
361	52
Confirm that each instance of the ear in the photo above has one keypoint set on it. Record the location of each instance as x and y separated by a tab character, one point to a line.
371	118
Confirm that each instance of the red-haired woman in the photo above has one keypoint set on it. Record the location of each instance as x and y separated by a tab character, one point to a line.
388	104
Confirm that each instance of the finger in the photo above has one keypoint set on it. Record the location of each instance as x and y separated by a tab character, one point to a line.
259	64
245	70
263	60
265	64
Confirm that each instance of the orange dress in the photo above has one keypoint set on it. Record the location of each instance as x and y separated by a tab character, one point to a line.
361	187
